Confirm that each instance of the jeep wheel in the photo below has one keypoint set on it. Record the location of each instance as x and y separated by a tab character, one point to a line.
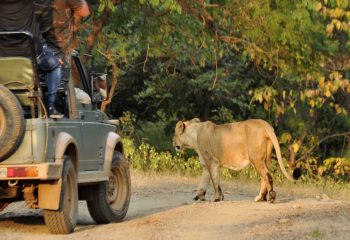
111	199
3	205
64	220
12	123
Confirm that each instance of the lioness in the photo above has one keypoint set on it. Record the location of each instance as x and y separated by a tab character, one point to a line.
233	145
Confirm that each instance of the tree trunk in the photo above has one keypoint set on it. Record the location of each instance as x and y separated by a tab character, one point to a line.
205	108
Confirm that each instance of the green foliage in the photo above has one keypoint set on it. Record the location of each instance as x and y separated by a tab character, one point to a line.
283	61
127	123
105	4
317	234
146	158
155	134
338	168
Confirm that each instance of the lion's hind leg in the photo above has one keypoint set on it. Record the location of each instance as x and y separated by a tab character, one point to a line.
266	188
272	193
263	192
272	196
266	183
260	158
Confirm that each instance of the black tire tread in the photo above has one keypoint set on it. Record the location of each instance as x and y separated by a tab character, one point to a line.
3	205
14	132
98	208
56	220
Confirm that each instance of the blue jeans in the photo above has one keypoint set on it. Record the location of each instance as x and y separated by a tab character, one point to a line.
48	63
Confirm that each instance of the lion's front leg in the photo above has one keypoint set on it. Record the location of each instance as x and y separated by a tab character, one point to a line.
203	184
215	177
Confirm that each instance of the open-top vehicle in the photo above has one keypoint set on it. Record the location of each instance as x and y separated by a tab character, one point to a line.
53	163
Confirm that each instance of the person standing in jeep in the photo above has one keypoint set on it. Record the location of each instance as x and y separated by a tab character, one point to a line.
18	15
57	18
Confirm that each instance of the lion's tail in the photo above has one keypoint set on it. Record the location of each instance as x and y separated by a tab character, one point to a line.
269	130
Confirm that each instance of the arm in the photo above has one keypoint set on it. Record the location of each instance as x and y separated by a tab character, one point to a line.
80	8
83	11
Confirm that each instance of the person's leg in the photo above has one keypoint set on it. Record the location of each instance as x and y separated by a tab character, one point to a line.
53	81
48	63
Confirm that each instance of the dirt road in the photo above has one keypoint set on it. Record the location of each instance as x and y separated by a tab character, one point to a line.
162	208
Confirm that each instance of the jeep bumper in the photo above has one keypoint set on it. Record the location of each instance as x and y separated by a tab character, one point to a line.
42	171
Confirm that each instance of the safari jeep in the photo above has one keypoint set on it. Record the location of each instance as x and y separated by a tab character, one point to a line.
53	163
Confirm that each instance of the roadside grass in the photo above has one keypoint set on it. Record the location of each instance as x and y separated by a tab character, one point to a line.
317	234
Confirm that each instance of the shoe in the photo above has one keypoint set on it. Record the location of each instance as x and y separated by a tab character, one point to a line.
53	113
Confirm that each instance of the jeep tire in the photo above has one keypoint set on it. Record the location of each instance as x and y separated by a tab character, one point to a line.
12	123
64	220
3	205
111	199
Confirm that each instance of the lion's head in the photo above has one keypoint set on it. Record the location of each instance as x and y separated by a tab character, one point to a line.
183	136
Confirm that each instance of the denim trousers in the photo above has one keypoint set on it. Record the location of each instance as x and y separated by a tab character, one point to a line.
48	63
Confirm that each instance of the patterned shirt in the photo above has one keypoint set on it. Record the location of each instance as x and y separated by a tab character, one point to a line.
56	18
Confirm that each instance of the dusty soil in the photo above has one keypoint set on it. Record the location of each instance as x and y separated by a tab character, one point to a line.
162	208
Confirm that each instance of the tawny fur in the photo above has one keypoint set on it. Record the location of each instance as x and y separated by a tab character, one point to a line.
234	145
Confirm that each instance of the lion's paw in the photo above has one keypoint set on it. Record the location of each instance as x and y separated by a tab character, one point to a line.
260	198
220	198
200	195
272	196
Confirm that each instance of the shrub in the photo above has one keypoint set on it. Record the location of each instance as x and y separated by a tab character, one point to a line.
146	158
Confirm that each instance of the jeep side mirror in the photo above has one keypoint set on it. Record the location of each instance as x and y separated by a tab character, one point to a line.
99	87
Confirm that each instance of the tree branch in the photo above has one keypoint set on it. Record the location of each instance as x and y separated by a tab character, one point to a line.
347	134
114	81
292	159
99	24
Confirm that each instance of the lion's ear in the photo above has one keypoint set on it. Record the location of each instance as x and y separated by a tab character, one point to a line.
180	126
197	120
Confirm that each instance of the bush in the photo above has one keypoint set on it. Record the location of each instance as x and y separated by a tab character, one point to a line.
146	158
337	168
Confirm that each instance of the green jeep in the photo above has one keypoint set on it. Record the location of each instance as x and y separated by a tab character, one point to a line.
51	164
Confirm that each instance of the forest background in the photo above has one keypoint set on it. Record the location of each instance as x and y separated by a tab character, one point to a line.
287	62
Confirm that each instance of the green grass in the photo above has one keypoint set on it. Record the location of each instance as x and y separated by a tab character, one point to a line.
317	234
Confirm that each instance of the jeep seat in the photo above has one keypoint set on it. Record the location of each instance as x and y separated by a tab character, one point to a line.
17	74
